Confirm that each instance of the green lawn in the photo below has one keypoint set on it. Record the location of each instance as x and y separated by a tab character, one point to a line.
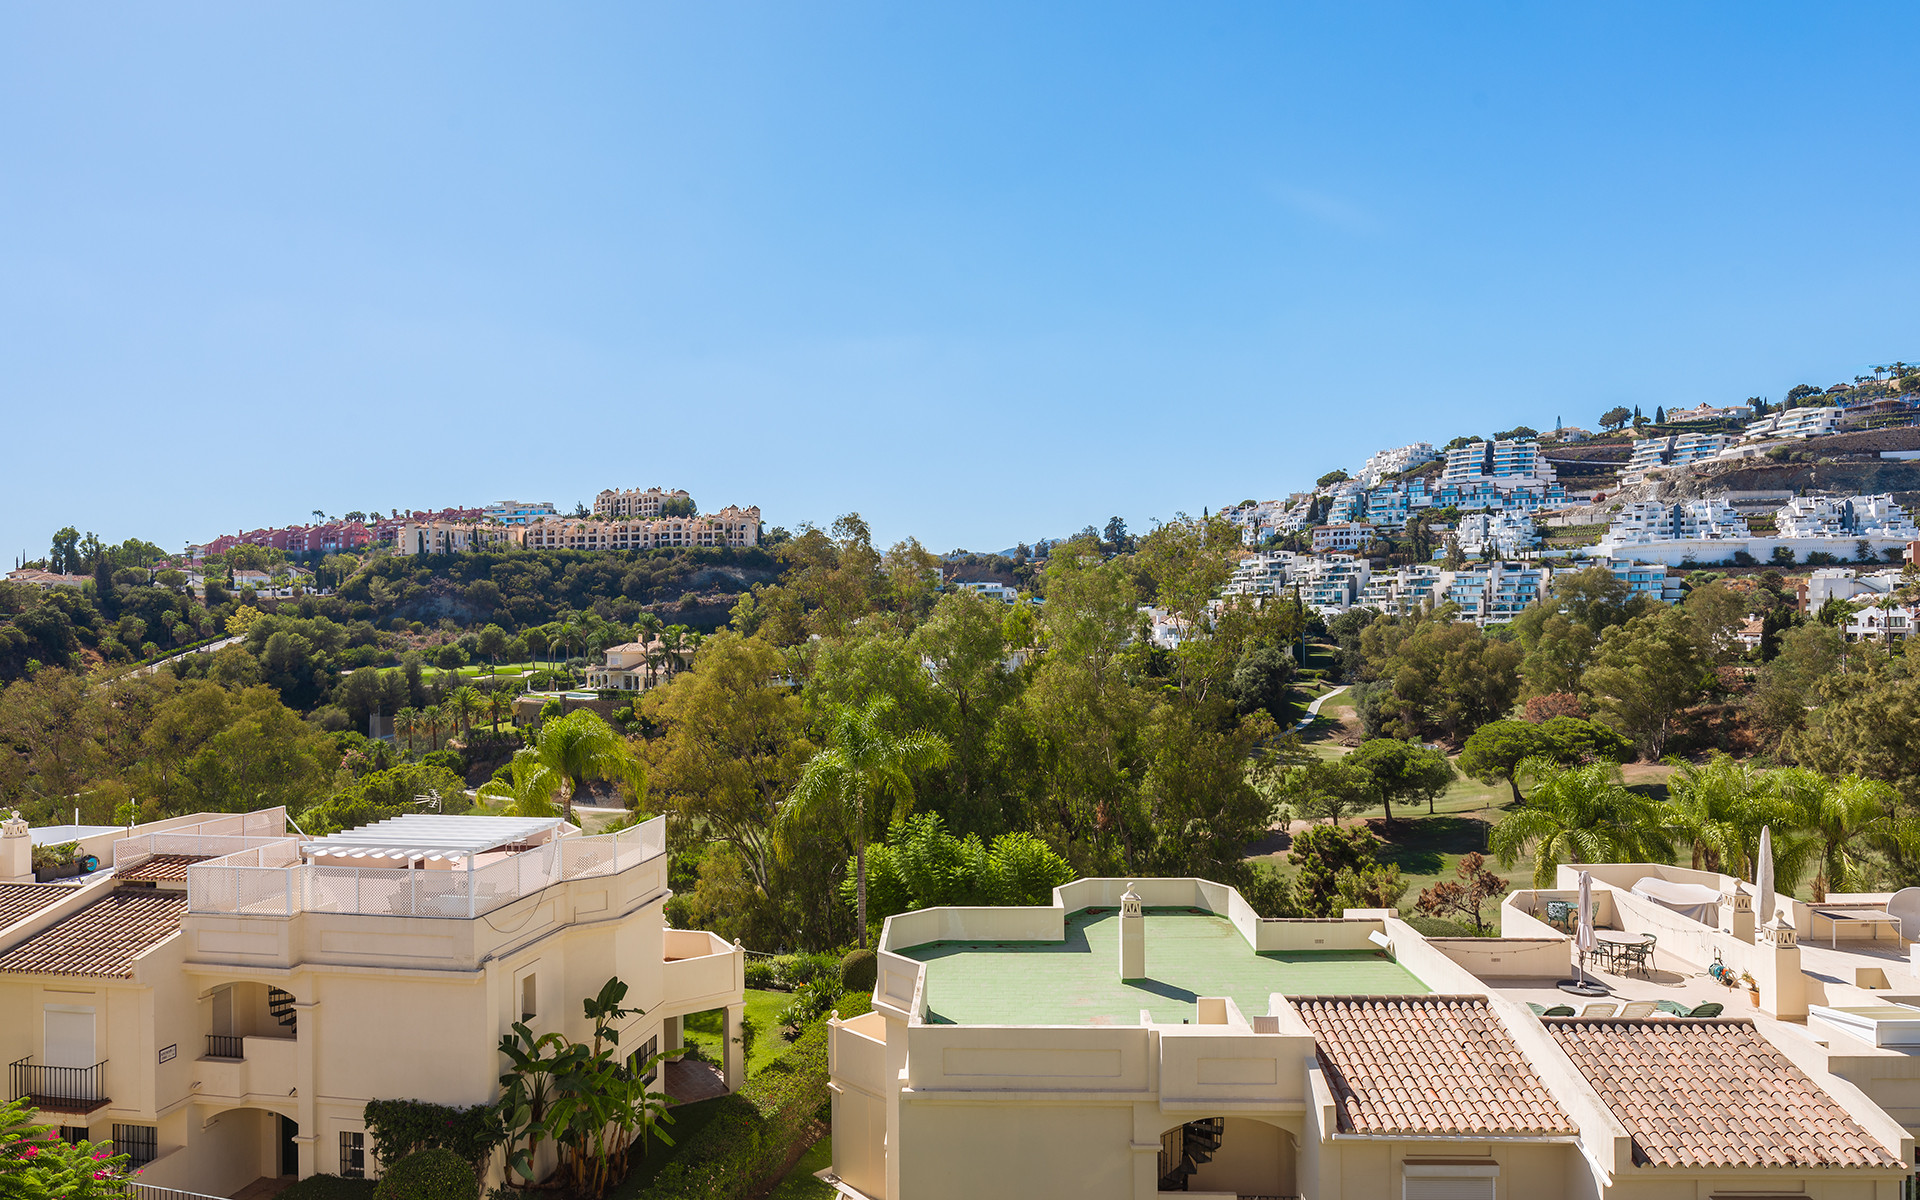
706	1029
688	1119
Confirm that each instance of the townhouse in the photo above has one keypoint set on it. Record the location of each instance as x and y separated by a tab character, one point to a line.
1138	1038
223	998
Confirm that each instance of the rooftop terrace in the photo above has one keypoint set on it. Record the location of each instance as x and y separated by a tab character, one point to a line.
1190	953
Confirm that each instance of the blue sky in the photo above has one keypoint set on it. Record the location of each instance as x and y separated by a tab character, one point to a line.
980	272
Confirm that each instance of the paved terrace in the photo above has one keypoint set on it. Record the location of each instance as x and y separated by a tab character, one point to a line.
1190	953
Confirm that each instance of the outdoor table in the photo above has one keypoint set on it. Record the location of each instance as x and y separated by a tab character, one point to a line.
1607	942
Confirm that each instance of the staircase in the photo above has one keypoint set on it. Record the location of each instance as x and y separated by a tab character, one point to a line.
1199	1142
280	1005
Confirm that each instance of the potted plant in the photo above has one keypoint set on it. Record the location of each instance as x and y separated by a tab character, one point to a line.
56	861
1753	989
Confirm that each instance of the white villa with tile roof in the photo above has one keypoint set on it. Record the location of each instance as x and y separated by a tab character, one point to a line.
1140	1038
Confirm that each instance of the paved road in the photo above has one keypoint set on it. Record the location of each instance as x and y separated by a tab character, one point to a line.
151	667
1313	710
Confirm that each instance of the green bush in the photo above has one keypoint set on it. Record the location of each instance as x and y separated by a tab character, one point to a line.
398	1129
799	970
762	975
749	1138
434	1174
859	971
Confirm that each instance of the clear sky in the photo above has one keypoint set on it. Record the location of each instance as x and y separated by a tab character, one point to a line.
983	273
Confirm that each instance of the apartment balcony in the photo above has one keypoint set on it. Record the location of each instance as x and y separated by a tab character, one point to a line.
73	1091
236	1067
700	970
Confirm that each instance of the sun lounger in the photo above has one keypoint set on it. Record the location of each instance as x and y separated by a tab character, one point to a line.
1597	1011
1639	1010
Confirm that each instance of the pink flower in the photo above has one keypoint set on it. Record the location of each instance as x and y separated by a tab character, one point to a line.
29	1151
100	1154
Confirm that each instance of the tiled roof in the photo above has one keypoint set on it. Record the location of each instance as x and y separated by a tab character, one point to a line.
1713	1094
102	939
18	900
160	868
1427	1064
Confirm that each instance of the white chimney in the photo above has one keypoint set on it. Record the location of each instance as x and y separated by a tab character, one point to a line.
1133	937
16	851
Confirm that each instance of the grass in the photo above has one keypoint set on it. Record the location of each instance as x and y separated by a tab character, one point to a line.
800	1183
705	1030
688	1119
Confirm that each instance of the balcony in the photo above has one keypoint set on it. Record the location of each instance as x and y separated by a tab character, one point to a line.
700	970
69	1090
236	1067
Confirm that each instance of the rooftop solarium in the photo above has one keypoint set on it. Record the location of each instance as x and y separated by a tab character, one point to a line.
1061	964
417	865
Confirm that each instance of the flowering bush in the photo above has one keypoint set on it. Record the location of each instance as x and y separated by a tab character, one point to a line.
36	1165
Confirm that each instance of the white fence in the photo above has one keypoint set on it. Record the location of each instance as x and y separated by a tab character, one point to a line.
217	838
271	880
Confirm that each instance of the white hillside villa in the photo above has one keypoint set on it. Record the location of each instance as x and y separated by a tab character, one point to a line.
1845	517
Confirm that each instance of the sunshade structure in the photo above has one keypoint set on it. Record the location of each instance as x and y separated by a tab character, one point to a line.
427	837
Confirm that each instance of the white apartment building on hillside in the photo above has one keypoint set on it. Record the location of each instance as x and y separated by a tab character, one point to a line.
1844	583
1507	534
1345	536
634	502
1647	522
1844	517
1515	459
1393	462
1795	423
1674	451
1264	574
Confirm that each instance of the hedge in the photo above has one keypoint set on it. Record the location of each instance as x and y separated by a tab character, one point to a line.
398	1128
756	1127
435	1174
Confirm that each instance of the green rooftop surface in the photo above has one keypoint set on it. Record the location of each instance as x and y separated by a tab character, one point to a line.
1190	953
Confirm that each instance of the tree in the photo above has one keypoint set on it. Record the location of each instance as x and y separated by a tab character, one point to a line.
580	746
1263	682
1329	787
1403	770
732	745
1645	673
1659	415
1843	815
1496	750
1615	418
1517	433
1719	808
1786	690
1579	815
528	789
1466	897
1328	856
862	766
1438	676
1332	477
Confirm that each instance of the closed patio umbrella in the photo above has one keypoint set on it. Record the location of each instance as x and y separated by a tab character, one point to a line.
1763	878
1583	925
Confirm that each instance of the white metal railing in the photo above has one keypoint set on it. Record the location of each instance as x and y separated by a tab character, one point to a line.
208	839
150	1191
272	880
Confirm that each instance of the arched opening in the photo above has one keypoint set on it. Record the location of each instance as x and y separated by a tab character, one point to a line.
1241	1155
236	1148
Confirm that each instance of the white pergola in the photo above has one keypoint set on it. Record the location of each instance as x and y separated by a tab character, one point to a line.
401	842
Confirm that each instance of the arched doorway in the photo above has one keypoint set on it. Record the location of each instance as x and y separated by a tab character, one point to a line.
1240	1155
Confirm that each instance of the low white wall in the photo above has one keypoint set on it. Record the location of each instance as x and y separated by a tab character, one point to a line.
1205	1064
1030	1058
1329	933
1035	924
1507	958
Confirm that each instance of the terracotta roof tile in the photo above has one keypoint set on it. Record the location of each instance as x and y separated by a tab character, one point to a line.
160	868
19	900
102	939
1713	1094
1427	1064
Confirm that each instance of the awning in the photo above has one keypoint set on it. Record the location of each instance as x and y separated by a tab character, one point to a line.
431	835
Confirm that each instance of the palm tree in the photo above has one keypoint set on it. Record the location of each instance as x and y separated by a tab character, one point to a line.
462	703
433	716
1887	604
580	746
404	723
862	764
497	703
1578	814
646	630
530	793
1719	810
1840	815
673	640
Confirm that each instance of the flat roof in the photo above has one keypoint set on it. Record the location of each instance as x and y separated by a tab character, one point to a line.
54	835
426	834
1190	954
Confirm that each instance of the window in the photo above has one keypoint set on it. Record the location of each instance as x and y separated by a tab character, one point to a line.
529	997
648	1049
353	1155
138	1142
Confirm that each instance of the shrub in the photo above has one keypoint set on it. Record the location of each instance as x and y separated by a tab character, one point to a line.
755	1128
428	1175
810	1003
859	971
761	974
447	760
798	970
399	1129
1439	927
